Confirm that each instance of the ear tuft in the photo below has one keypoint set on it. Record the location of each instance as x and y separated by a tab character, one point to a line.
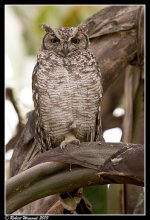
46	28
83	28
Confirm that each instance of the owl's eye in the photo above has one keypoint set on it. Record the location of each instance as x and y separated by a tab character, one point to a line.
54	40
75	40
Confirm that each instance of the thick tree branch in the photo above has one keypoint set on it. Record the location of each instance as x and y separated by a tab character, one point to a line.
116	35
102	163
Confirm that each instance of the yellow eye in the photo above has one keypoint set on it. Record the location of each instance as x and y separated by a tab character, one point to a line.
75	40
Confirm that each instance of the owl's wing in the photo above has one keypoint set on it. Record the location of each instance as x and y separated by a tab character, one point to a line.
98	130
35	99
41	140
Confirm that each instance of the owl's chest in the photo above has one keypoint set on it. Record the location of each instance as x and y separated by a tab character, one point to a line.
67	73
68	83
69	90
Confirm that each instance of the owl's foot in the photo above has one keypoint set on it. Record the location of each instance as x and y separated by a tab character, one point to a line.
65	143
69	139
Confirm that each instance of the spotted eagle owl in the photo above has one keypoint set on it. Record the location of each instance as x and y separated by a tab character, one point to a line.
67	89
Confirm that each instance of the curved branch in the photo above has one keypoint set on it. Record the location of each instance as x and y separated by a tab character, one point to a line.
113	33
105	163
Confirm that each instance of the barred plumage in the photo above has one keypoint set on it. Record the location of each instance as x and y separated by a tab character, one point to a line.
67	89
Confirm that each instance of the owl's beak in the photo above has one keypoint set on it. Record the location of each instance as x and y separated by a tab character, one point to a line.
65	48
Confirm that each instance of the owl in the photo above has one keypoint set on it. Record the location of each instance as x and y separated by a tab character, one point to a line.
67	89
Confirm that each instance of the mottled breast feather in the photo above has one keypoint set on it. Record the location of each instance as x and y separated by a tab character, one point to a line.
67	94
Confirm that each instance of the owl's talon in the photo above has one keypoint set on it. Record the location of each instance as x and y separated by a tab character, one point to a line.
65	143
76	142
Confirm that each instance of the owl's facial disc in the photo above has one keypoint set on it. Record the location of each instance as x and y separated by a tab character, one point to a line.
64	41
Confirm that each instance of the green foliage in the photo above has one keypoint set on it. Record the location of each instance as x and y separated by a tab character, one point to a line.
31	17
115	204
97	196
138	116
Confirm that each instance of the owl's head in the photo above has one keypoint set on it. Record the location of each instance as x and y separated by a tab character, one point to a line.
65	40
